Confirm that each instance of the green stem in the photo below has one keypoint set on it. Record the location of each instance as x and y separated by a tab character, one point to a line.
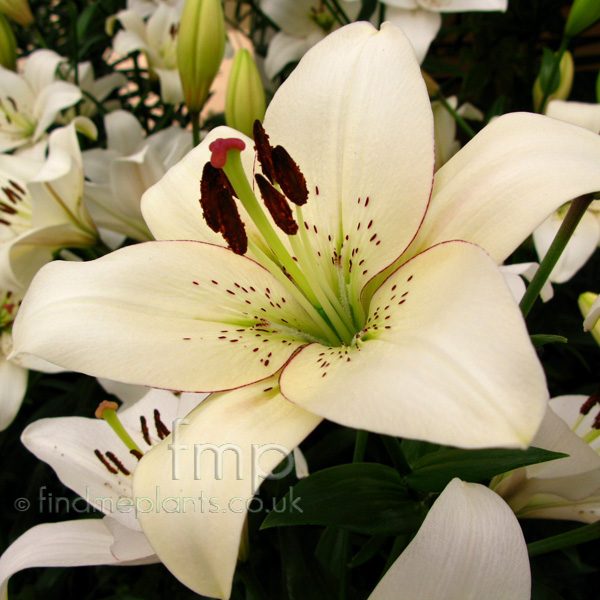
195	118
110	416
394	449
587	533
555	68
574	215
459	120
360	447
341	11
335	14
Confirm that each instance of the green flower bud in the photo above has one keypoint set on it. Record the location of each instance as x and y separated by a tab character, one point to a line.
565	82
585	302
17	10
584	13
8	45
200	49
245	100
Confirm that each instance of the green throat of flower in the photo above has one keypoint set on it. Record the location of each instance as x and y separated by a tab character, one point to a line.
281	183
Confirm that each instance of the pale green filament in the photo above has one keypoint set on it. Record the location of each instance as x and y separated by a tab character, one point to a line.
306	273
110	416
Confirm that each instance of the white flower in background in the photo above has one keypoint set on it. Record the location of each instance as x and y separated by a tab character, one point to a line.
404	297
514	275
589	304
302	24
586	238
41	209
567	488
32	100
118	176
13	377
91	459
99	89
446	144
146	8
469	547
157	40
421	19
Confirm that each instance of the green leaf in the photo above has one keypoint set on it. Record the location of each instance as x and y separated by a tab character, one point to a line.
546	68
85	18
433	471
362	497
587	533
539	339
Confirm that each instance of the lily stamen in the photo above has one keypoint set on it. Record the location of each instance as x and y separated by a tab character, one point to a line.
107	410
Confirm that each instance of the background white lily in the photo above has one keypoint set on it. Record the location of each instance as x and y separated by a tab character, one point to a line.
118	176
30	101
157	39
567	488
469	547
70	446
43	210
586	238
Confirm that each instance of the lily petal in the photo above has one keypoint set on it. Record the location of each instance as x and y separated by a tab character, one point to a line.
201	303
579	113
420	27
376	185
13	384
488	558
438	343
203	511
539	164
580	247
69	544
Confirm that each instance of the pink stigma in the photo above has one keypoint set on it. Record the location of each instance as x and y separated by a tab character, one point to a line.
219	150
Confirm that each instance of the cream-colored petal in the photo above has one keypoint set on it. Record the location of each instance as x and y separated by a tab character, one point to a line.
469	547
445	357
179	488
579	113
368	186
177	315
420	27
503	184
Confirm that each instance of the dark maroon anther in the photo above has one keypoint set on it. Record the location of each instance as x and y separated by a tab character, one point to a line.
161	428
232	226
111	456
590	403
101	458
136	453
264	150
145	431
220	147
278	207
211	185
289	176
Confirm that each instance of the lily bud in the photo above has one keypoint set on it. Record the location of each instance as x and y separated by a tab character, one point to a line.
583	14
589	305
245	101
565	82
8	45
17	10
200	49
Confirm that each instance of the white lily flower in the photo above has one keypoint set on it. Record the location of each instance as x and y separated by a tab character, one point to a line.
514	275
157	39
567	488
586	238
146	8
90	458
118	176
589	304
421	19
99	89
446	144
42	209
302	24
30	102
403	298
488	557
